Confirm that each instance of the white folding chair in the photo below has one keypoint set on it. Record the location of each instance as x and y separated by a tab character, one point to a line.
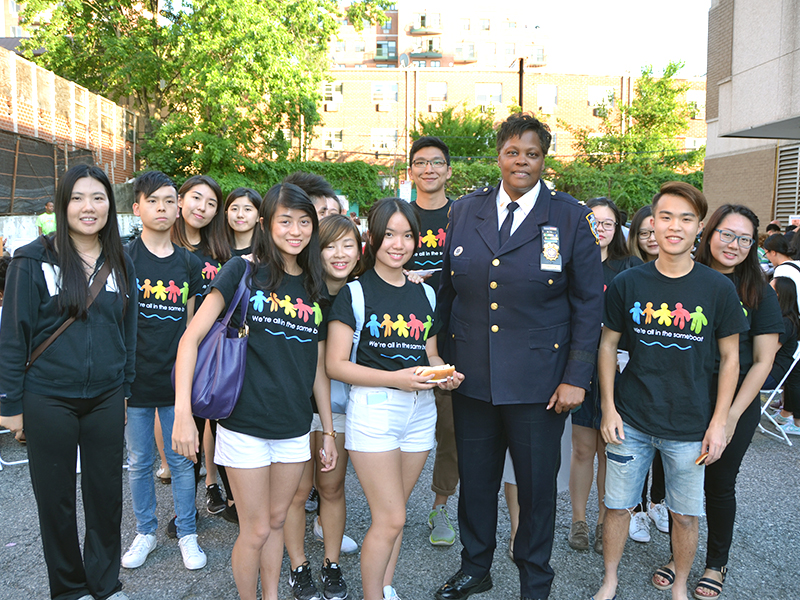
781	434
6	463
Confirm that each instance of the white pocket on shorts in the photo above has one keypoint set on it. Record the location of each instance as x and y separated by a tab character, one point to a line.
373	412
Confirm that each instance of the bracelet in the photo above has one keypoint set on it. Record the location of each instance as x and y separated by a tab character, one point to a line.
330	433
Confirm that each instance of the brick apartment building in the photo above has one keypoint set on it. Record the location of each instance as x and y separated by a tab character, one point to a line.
753	107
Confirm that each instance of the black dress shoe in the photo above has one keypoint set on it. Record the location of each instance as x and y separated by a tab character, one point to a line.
461	586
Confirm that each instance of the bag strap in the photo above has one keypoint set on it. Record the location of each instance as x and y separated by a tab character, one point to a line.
357	301
97	283
790	263
431	294
240	299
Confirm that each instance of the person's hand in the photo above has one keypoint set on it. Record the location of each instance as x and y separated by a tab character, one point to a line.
185	439
452	382
566	398
328	454
714	442
14	425
418	276
611	427
408	380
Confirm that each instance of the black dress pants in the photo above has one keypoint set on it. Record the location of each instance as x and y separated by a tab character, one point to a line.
533	436
55	427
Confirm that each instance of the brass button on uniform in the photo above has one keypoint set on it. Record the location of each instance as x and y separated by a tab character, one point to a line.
495	329
549	282
494	305
493	285
555	346
496	262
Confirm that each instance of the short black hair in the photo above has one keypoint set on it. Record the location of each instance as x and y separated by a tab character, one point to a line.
315	186
517	124
773	227
149	182
429	141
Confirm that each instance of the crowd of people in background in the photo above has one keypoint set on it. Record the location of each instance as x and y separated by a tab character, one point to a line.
655	338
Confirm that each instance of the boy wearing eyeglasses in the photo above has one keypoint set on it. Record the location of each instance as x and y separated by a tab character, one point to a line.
671	315
429	167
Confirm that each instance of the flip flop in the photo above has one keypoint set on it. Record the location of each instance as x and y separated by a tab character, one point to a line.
665	573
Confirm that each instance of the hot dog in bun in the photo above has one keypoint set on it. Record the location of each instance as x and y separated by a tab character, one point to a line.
440	372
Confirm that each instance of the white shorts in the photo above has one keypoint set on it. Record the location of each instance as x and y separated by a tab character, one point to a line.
382	419
338	422
242	451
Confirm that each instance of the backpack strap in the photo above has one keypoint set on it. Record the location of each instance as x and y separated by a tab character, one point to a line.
431	294
789	263
357	302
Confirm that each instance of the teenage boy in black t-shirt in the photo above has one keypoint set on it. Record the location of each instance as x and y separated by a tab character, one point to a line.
671	315
430	170
168	278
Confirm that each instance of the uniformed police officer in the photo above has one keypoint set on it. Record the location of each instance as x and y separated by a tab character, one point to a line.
521	302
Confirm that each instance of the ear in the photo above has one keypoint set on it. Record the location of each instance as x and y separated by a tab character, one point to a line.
136	209
261	222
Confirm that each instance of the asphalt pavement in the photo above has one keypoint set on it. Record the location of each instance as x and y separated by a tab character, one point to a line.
765	546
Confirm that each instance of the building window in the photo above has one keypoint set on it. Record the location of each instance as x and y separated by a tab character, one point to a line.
694	143
384	139
340	46
386	26
332	91
465	52
359	46
386	66
14	8
386	49
547	97
537	54
384	92
423	20
17	31
436	63
418	63
429	45
553	144
599	95
359	66
485	24
488	93
437	91
338	66
697	103
333	138
787	186
465	24
511	50
511	24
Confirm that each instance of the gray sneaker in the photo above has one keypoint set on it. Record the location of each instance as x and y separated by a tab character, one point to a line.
442	532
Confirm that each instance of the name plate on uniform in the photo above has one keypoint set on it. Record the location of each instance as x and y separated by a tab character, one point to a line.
551	250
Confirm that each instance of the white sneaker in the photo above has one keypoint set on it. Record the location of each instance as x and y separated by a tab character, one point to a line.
143	544
639	529
660	516
193	555
389	593
349	545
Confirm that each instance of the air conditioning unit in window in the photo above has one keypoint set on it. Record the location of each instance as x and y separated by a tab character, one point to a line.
485	108
437	107
332	154
383	107
331	107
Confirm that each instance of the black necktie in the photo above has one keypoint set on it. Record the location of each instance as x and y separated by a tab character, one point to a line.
505	229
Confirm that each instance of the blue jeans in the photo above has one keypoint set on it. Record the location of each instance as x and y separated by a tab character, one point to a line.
140	437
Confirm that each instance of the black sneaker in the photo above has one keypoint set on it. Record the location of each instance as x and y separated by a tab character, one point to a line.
172	527
302	585
333	585
230	514
215	503
312	504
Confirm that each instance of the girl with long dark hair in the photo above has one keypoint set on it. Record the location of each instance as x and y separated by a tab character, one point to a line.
241	218
641	237
73	394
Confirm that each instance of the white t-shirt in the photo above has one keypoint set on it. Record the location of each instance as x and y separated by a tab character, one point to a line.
792	272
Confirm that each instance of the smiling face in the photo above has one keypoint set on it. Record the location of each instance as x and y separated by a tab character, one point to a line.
291	230
242	215
725	256
198	206
87	212
159	210
521	161
648	244
429	179
604	215
398	243
675	224
340	257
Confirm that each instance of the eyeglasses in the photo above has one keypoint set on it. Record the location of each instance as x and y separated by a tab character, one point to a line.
745	241
644	234
436	163
607	225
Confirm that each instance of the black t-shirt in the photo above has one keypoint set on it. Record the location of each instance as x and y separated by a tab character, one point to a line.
285	329
165	286
432	234
242	251
397	323
785	355
209	267
670	327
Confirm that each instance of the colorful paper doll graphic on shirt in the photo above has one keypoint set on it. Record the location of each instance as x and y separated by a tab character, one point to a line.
210	271
681	315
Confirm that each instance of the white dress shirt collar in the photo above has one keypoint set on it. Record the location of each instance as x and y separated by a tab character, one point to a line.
526	202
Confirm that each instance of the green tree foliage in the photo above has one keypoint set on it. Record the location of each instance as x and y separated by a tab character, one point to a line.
217	80
468	132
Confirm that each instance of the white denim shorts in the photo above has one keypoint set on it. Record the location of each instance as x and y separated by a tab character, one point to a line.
382	419
338	422
243	451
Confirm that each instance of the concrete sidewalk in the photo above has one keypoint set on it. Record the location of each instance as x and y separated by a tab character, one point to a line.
765	546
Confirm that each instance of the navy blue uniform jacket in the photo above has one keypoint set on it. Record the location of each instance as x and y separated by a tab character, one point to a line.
514	330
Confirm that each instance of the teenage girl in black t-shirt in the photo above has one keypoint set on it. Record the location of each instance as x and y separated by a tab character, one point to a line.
729	245
285	249
241	211
787	298
386	397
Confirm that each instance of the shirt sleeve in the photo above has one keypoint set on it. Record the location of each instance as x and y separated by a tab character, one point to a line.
768	317
228	278
730	308
614	312
342	309
195	274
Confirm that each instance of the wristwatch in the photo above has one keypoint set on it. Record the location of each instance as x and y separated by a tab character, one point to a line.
330	433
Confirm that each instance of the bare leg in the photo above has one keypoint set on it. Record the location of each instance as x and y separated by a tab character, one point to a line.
581	469
512	501
601	478
684	546
332	508
294	531
615	533
208	450
160	446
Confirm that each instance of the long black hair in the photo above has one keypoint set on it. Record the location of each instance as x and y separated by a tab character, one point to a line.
634	249
252	196
748	274
74	290
786	289
378	221
617	248
265	252
213	241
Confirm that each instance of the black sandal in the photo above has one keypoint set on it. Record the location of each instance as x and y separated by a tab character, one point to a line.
665	573
711	584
